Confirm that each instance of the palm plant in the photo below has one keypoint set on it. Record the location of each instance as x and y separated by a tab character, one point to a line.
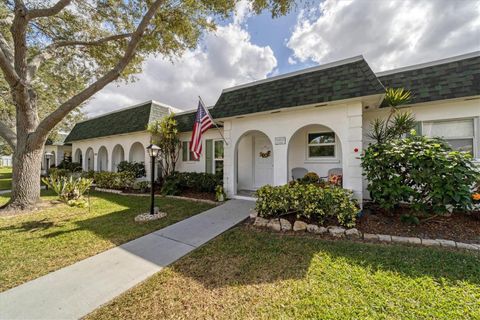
396	124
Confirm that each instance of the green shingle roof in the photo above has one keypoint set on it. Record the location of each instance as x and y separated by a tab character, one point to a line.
448	80
124	121
185	121
343	80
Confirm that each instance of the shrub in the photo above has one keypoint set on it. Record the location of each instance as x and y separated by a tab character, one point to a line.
138	169
114	180
308	201
70	166
194	181
57	172
142	186
69	189
419	170
310	177
90	174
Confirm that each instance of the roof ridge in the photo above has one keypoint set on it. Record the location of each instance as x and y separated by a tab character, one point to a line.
298	72
422	65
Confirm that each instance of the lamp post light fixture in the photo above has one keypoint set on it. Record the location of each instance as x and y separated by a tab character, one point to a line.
48	155
153	151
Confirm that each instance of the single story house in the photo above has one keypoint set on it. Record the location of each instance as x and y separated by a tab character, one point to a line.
317	119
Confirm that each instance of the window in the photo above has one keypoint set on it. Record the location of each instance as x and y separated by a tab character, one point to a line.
218	156
460	134
187	155
321	145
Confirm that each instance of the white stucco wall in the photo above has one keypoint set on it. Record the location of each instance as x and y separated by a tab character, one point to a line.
58	151
126	141
344	119
196	166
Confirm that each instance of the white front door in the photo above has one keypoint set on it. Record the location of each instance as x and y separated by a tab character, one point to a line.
263	162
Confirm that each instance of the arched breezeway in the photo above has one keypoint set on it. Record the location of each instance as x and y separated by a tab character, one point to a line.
78	156
315	148
118	155
254	162
89	159
137	153
102	159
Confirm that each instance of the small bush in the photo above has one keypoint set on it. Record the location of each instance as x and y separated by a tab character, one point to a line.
422	171
90	174
69	189
138	169
142	186
308	201
194	181
114	180
70	166
57	172
310	177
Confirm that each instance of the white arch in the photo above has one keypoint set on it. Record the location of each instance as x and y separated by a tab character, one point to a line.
118	155
89	159
253	170
78	156
137	153
297	151
102	159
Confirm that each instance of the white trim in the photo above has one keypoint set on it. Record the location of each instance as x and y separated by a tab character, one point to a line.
428	64
475	138
321	159
296	73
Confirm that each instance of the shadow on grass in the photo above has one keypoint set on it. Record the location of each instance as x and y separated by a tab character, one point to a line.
30	226
118	226
245	257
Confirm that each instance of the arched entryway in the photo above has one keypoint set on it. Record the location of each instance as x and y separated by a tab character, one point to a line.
89	159
118	155
102	159
254	162
137	153
315	148
78	156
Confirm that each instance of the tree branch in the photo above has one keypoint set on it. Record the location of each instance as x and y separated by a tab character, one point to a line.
49	51
7	21
8	134
55	117
47	12
6	65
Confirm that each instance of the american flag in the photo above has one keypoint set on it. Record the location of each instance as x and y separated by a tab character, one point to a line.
203	121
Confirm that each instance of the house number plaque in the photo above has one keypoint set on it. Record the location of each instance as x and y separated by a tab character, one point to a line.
280	140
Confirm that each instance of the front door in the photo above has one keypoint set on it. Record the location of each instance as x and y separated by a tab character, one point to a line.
263	162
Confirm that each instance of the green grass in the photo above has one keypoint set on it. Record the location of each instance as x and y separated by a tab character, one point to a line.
39	242
5	178
247	274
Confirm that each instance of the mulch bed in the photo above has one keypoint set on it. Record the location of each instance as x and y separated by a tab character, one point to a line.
458	226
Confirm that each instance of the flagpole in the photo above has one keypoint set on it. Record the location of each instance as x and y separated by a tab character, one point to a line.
214	123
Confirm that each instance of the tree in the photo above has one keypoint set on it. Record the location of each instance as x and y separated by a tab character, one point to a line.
88	43
165	134
397	123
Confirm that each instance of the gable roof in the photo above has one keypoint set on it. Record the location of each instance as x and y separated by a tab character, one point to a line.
58	141
132	119
450	78
340	80
185	120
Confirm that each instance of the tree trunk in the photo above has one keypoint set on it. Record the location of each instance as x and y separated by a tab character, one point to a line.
25	178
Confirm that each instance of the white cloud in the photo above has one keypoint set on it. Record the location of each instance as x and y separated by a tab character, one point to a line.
225	58
389	34
243	10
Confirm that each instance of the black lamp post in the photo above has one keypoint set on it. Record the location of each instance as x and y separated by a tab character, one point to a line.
153	151
48	155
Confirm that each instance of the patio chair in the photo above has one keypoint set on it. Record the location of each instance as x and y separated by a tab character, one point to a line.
298	173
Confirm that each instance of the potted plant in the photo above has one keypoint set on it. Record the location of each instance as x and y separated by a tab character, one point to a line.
219	193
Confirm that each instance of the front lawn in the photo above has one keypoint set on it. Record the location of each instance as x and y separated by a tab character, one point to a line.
37	243
248	274
5	178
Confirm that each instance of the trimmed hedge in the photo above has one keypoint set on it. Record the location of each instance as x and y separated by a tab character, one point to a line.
193	181
308	201
114	180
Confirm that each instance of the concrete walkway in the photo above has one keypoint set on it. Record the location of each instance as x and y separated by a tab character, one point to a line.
76	290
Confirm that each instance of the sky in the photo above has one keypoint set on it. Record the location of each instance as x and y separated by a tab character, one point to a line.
388	33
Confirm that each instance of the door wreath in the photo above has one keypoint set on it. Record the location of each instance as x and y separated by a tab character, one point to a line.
265	154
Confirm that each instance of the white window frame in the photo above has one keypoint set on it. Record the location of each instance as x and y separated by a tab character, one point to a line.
217	159
190	159
475	137
308	158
